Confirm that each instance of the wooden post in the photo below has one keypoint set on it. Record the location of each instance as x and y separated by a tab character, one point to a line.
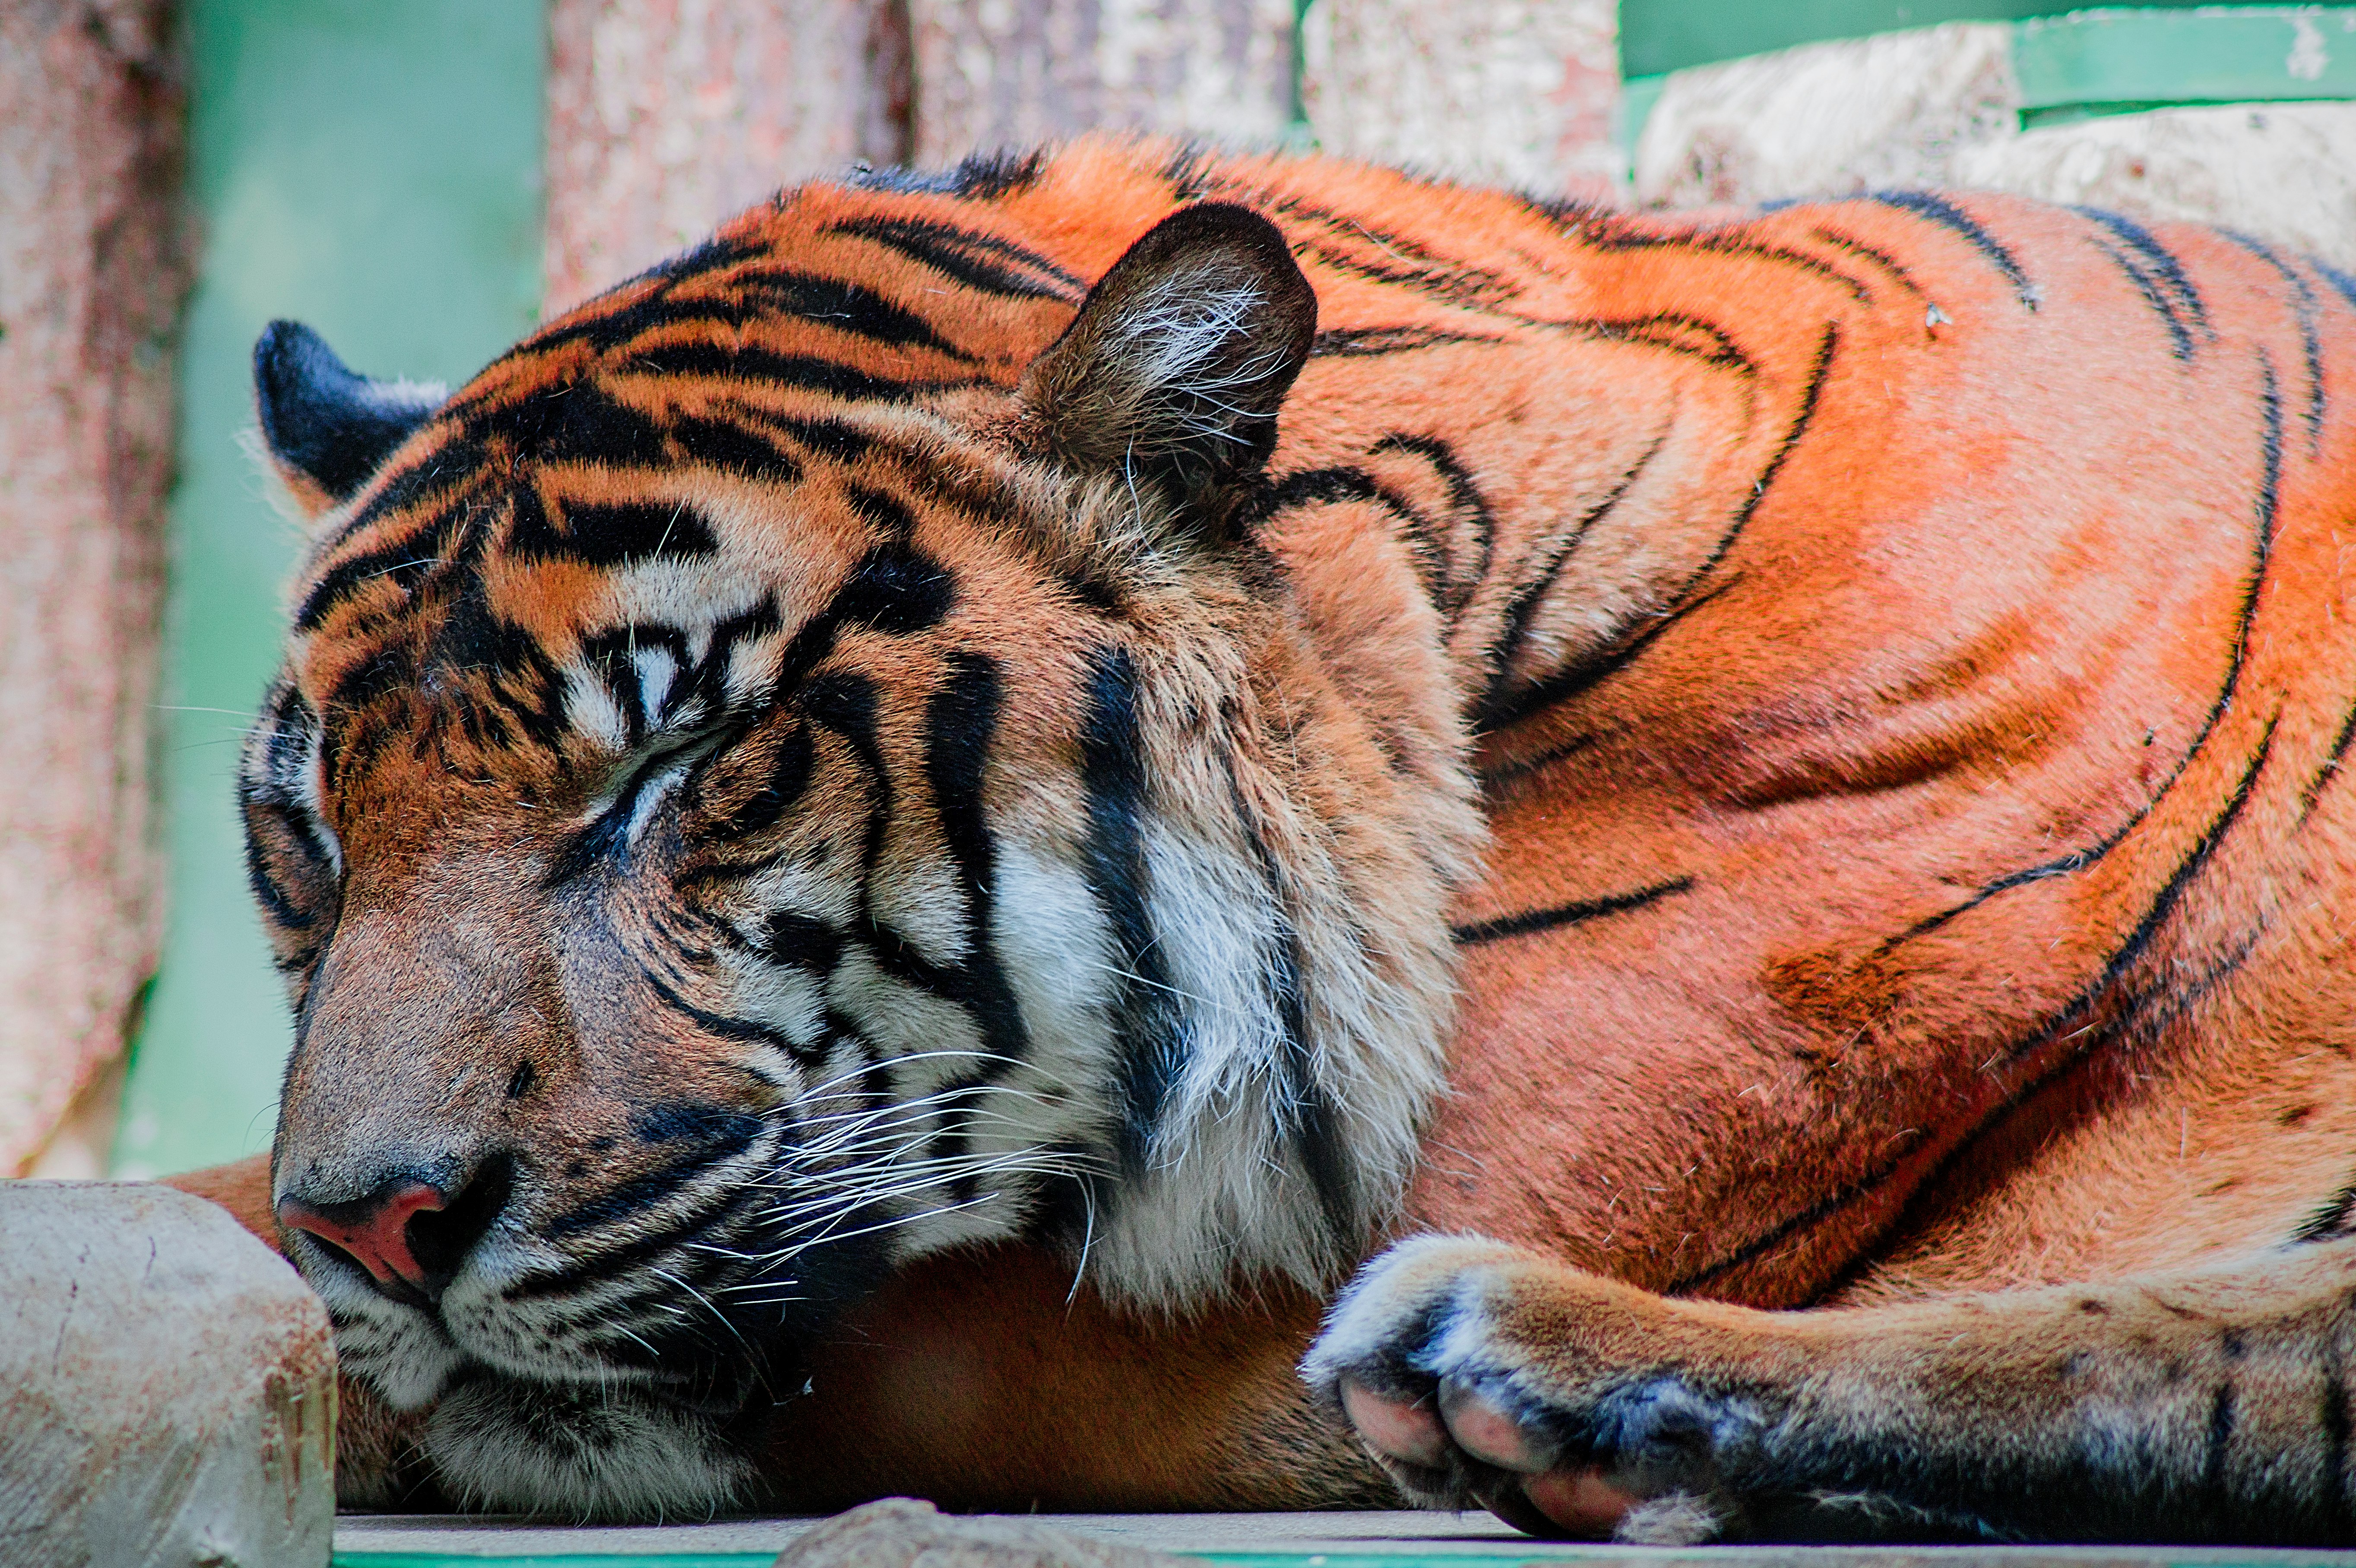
666	116
91	275
1518	94
1016	73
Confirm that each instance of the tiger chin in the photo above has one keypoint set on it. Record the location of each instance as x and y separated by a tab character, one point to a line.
726	837
898	843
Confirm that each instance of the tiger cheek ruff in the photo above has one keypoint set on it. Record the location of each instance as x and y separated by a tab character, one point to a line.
964	708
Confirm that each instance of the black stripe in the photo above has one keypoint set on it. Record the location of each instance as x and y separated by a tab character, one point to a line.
960	731
2267	506
2213	1479
826	437
845	701
1453	587
2339	1523
1513	630
800	942
1879	258
980	177
745	1030
846	307
894	588
603	1266
1470	288
2310	335
886	514
574	420
977	260
1566	915
388	669
1148	1025
718	1136
1310	486
621	535
405	563
2330	1219
1307	1117
1948	216
744	362
2157	275
1504	773
1895	1151
1820	369
1410	265
1354	341
456	463
2330	765
2342	282
1593	671
1614	232
274	900
735	447
2164	904
1670	330
2071	1014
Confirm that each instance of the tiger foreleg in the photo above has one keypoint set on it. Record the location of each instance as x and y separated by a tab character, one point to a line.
2199	1406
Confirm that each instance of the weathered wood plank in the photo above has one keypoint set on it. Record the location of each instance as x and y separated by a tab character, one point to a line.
665	116
91	275
1015	72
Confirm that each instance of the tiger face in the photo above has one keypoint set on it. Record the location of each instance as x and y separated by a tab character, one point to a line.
782	776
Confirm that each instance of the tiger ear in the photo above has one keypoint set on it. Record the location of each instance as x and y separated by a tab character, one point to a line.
329	427
1173	370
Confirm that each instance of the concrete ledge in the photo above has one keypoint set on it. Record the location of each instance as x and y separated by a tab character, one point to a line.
1236	1539
167	1385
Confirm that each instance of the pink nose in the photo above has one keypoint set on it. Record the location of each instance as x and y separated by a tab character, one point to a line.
377	1233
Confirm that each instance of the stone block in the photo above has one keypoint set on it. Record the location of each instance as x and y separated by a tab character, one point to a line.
1940	106
2283	172
167	1386
1831	119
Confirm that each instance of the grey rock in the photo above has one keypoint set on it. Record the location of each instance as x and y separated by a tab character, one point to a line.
167	1386
899	1532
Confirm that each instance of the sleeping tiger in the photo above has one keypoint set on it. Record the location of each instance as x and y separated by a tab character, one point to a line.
898	842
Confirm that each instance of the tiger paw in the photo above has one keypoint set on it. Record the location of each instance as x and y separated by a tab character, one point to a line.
1481	1374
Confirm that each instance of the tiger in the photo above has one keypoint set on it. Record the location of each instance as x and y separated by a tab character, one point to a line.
898	843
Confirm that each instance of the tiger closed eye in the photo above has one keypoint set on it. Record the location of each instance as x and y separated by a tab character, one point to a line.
747	788
295	885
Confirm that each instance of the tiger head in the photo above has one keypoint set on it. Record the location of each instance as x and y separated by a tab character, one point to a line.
801	764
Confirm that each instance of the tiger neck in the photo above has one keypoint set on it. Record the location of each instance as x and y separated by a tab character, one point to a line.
1281	994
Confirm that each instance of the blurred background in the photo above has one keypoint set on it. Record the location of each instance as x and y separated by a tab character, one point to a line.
424	181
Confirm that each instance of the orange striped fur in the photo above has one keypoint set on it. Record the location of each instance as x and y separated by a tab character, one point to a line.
1784	758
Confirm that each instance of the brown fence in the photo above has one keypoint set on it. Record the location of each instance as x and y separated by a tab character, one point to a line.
91	279
665	115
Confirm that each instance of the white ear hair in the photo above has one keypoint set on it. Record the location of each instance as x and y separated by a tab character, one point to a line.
1179	359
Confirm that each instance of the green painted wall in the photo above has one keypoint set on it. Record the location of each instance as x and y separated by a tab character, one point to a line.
1670	35
374	169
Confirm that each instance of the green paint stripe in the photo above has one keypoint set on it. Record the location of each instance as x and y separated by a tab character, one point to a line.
2092	64
373	169
2219	55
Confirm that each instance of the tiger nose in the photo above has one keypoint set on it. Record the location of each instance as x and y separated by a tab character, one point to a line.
374	1230
412	1234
